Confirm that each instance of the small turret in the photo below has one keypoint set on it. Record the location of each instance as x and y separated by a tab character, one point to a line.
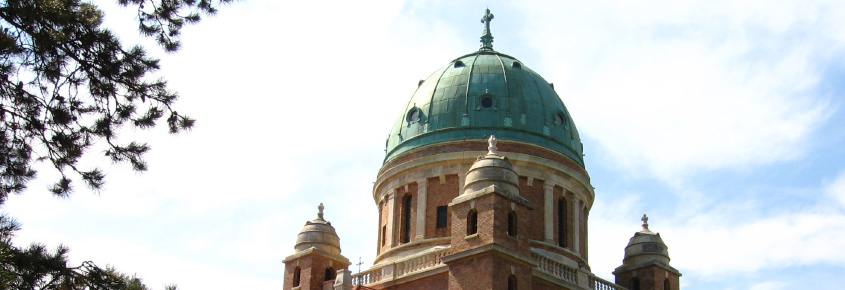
316	260
646	263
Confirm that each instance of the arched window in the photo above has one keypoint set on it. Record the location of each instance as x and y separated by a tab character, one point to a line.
406	219
472	222
635	283
666	285
296	273
561	223
329	274
512	224
512	282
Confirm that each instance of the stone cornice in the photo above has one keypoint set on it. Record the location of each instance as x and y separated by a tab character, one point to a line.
491	190
495	249
315	251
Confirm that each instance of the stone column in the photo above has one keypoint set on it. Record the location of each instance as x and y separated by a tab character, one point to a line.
548	214
422	184
576	220
391	211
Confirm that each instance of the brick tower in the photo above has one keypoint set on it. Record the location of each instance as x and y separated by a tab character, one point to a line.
317	259
646	263
487	249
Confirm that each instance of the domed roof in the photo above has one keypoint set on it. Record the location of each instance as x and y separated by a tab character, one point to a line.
492	169
484	93
319	234
646	246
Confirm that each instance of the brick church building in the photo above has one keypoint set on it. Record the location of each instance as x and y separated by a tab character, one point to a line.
483	187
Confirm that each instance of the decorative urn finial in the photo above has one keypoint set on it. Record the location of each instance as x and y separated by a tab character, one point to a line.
320	213
491	147
486	37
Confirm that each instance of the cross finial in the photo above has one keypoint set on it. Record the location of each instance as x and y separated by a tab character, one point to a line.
320	213
486	37
359	270
491	147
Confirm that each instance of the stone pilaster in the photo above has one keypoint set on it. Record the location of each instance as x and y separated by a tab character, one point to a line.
391	211
548	211
422	184
576	220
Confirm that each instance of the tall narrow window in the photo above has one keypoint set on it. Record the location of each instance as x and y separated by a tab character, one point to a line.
472	222
635	283
383	235
406	219
561	223
329	274
441	217
512	224
296	273
512	282
666	285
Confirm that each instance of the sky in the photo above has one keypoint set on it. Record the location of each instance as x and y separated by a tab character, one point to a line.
721	120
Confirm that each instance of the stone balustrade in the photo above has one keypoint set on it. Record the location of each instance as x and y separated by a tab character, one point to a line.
569	274
601	284
401	268
556	269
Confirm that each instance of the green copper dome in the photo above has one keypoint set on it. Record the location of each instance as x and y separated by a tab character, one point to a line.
480	94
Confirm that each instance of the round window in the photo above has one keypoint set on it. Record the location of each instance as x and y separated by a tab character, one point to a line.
414	115
558	119
487	102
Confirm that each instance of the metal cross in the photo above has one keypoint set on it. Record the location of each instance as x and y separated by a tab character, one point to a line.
645	221
359	270
486	37
486	20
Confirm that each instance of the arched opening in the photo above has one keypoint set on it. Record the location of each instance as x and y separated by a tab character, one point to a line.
329	274
512	282
296	274
406	220
666	285
635	283
512	224
472	222
561	223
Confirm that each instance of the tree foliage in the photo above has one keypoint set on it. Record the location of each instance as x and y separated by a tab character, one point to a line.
36	267
67	83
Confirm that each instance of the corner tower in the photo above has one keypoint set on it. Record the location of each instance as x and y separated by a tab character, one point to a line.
317	259
646	263
532	211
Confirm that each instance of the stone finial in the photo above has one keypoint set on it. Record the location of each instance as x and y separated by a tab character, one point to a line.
491	147
320	213
645	225
645	221
487	37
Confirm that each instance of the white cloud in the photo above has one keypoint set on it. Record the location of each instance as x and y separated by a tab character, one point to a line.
671	89
769	285
836	189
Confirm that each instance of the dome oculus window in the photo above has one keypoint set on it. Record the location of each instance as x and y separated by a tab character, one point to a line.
486	102
413	115
517	65
459	64
558	119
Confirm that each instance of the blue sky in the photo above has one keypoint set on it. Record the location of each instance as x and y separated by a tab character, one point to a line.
719	119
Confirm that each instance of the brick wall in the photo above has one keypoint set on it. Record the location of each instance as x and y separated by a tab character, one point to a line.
438	194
